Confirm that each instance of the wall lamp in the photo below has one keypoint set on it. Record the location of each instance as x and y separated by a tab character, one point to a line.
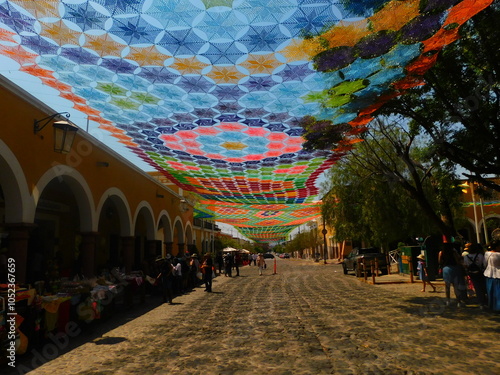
64	132
184	206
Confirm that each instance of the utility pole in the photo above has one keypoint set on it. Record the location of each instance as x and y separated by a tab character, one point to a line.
324	231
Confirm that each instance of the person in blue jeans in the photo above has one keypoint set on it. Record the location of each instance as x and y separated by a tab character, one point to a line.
492	274
453	273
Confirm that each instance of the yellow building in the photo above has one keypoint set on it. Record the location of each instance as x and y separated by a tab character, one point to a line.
84	210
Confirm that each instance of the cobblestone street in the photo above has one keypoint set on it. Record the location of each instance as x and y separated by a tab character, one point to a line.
309	318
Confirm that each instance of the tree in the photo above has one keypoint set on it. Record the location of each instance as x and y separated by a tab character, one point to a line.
322	134
301	241
371	185
459	107
221	242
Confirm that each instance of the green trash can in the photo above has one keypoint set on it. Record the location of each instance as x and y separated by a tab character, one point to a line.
407	253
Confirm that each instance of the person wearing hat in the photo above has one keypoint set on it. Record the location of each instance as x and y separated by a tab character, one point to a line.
423	274
474	267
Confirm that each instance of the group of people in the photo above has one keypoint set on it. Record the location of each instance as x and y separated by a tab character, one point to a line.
180	275
230	261
233	261
475	266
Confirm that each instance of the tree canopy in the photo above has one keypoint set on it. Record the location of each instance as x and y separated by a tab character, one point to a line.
388	189
459	106
456	115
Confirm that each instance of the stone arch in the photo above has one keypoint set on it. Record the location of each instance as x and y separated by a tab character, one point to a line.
165	225
19	205
145	209
164	232
80	189
57	236
145	247
179	237
115	244
119	199
189	233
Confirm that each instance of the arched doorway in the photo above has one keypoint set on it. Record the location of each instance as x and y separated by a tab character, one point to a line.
54	244
16	213
144	237
180	238
115	243
164	234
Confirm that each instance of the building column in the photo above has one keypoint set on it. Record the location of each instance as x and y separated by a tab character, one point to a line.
88	249
18	236
128	252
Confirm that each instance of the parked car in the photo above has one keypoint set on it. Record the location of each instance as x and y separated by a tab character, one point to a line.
353	262
268	256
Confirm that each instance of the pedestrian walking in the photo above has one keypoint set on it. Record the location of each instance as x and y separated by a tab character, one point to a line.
228	264
185	272
207	269
453	273
165	279
237	262
261	263
474	267
423	273
492	274
254	259
219	259
177	277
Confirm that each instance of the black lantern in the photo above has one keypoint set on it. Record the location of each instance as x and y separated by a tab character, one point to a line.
64	132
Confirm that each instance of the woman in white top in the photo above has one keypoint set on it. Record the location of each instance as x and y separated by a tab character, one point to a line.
492	274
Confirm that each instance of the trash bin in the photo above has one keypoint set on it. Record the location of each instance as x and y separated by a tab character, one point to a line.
407	253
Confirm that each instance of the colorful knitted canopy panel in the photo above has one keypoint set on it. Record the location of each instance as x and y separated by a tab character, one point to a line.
210	92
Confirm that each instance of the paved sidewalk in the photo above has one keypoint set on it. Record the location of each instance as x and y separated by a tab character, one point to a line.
309	318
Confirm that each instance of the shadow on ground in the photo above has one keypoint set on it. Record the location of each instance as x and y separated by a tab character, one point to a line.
60	344
434	306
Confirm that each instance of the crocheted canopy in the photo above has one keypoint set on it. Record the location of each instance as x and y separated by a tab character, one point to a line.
210	93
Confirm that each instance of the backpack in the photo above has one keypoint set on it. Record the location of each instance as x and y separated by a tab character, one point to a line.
473	268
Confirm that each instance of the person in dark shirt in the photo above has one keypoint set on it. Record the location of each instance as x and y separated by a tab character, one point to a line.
166	280
453	273
207	269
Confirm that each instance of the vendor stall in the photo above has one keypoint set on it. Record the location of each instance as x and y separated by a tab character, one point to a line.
42	313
